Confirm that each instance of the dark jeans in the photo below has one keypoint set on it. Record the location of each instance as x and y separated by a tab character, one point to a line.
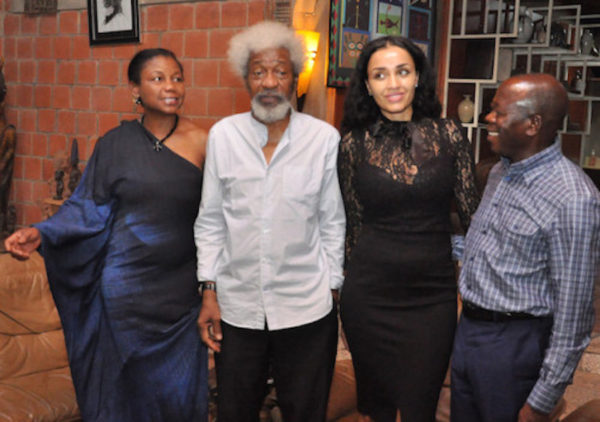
495	366
302	360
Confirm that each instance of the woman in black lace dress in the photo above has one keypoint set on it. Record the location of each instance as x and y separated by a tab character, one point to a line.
400	168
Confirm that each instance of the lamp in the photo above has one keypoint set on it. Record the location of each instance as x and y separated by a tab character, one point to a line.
311	41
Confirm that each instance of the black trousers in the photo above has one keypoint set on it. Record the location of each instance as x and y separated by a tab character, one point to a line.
302	360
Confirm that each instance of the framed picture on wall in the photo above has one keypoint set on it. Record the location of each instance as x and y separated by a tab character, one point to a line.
419	24
389	19
352	23
423	4
420	27
113	21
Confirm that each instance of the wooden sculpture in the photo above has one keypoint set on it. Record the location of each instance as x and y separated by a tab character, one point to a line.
8	140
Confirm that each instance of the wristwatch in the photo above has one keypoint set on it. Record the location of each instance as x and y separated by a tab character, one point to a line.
207	285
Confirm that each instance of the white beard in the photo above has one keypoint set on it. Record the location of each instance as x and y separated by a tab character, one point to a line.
270	114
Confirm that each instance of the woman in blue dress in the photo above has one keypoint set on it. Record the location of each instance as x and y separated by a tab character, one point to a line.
121	260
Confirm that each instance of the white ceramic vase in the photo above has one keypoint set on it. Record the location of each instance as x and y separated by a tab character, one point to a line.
466	109
580	86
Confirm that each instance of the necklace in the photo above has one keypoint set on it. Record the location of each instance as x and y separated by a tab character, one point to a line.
158	142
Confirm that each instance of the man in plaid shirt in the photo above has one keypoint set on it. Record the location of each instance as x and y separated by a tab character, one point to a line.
530	261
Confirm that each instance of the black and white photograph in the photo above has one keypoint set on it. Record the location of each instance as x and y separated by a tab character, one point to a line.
113	21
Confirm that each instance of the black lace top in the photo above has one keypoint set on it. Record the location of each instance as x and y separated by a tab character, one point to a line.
401	177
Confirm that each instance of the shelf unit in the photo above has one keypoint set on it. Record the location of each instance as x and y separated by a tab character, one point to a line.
487	44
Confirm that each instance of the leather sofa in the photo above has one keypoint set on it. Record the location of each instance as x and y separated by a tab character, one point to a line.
35	381
342	397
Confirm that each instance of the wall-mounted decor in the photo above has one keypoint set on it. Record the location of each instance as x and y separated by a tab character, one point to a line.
113	21
352	23
419	24
38	7
422	4
420	27
389	18
280	11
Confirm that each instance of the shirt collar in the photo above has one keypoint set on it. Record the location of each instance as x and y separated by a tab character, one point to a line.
263	134
532	167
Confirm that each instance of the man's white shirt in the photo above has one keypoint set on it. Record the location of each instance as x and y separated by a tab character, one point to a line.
271	235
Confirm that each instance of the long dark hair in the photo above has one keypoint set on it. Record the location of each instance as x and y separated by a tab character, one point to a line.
137	63
361	111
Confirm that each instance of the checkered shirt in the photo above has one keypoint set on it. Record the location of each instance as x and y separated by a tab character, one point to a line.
533	246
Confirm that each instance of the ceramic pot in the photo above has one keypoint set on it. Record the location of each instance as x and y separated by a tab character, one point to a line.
587	42
540	32
525	27
466	109
578	84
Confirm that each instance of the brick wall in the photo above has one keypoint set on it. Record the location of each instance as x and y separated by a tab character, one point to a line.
60	88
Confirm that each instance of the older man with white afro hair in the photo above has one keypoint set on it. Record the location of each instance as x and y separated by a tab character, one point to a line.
262	36
270	239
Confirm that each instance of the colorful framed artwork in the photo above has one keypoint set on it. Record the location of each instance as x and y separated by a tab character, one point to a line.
419	24
352	23
344	18
356	14
113	21
353	42
389	19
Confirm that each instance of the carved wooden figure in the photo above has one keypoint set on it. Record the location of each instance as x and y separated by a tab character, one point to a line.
60	184
74	172
8	140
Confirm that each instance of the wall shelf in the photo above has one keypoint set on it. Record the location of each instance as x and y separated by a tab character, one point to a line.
487	45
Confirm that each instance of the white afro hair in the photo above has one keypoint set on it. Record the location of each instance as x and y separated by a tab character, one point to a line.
263	35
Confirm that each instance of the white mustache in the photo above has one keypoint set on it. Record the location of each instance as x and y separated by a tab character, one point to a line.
270	94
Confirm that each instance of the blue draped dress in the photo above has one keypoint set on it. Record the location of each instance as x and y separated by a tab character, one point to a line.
121	262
